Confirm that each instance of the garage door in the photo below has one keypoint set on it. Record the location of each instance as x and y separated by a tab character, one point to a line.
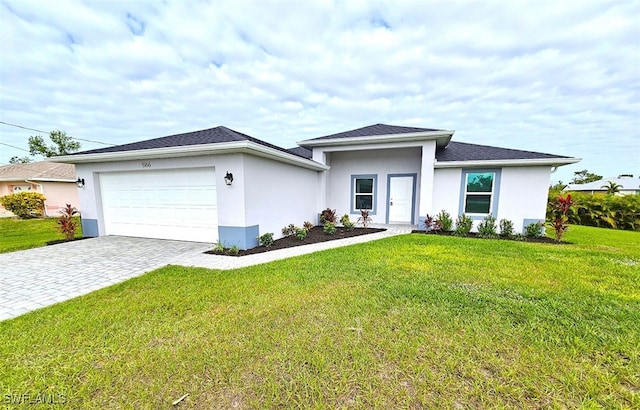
168	204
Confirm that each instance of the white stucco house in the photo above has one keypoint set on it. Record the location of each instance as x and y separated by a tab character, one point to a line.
174	187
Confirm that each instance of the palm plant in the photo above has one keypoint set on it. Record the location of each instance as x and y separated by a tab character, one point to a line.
612	188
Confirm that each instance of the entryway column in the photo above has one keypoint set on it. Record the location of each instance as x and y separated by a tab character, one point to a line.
426	178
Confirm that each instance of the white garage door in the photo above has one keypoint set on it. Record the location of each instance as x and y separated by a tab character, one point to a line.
168	204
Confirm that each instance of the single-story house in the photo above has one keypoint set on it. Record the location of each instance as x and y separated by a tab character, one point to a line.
221	185
57	182
628	185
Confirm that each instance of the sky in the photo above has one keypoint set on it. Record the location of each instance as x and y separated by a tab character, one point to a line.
560	77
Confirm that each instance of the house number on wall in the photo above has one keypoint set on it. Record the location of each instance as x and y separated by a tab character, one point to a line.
146	165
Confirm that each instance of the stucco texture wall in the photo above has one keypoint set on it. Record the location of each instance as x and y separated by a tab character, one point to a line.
377	162
278	194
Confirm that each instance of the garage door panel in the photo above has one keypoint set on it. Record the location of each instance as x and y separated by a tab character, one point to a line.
169	204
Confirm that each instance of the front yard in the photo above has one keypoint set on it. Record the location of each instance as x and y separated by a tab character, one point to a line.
17	234
409	321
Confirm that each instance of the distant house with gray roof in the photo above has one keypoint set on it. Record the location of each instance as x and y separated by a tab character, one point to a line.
222	185
628	185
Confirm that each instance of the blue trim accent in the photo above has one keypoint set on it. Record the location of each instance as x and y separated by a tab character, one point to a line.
244	237
495	200
529	221
413	194
373	211
89	227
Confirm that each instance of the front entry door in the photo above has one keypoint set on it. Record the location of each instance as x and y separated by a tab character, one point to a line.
400	203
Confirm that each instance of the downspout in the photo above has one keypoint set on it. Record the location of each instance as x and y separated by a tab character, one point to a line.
42	192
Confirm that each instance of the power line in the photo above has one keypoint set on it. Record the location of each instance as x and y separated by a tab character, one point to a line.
13	146
44	132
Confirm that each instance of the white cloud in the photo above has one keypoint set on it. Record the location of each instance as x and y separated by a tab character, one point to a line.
546	76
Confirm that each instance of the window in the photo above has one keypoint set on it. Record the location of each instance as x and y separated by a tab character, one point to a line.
21	188
363	188
479	189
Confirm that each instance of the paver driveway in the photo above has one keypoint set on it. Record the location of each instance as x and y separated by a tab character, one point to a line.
40	277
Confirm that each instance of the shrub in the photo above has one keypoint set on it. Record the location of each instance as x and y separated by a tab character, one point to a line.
344	219
329	228
24	204
307	226
66	224
289	230
218	247
561	206
328	215
301	233
534	230
266	240
444	221
430	224
364	218
234	250
349	226
487	228
463	225
506	228
603	211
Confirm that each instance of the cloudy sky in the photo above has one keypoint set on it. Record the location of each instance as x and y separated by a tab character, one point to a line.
553	76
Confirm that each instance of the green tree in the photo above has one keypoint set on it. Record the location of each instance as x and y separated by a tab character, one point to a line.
584	177
19	160
63	145
612	187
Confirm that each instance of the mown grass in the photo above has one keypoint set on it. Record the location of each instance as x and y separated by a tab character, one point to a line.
409	321
17	234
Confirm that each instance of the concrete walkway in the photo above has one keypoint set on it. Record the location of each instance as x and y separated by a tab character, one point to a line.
35	278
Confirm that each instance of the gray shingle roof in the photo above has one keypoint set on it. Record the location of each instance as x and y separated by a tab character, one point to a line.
462	151
301	152
373	130
208	136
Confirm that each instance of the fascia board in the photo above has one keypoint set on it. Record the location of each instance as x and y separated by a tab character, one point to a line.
507	162
444	135
192	150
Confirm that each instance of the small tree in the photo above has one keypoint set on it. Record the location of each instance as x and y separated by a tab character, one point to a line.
584	177
24	204
66	224
612	188
63	145
559	221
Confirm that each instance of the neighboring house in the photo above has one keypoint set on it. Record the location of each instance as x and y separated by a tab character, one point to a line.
628	186
174	187
56	181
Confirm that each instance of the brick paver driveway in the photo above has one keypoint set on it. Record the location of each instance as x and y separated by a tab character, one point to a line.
40	277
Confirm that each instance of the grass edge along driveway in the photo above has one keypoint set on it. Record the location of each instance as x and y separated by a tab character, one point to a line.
19	234
408	321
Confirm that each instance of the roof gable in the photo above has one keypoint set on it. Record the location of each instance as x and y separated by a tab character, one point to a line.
462	151
374	130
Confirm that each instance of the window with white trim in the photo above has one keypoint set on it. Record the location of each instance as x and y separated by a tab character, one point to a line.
363	192
479	192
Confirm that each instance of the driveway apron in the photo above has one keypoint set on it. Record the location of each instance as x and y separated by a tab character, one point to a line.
40	277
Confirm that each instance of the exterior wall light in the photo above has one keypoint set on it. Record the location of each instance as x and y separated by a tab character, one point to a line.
80	182
228	179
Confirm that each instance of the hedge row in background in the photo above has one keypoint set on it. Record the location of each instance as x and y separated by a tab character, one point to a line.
601	210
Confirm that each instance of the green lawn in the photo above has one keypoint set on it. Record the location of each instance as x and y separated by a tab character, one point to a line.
17	234
406	322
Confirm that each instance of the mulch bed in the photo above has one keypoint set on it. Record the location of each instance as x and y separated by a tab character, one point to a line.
57	241
315	235
544	239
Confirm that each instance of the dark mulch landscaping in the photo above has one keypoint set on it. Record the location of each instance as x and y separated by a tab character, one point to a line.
57	241
543	239
315	235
